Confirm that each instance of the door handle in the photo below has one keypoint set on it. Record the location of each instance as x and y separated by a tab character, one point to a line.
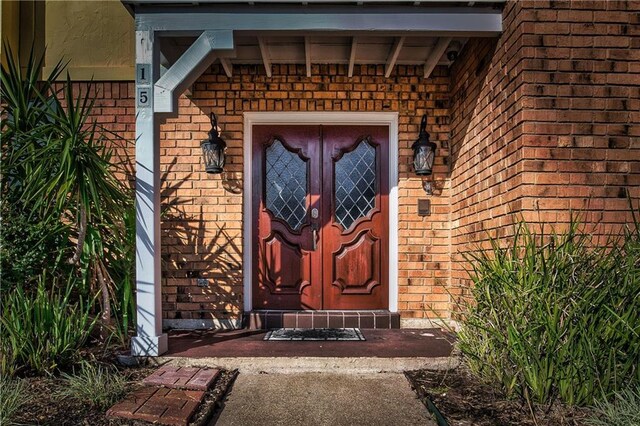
314	237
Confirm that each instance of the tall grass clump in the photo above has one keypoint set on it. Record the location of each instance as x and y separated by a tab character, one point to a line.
555	317
101	386
622	409
13	396
42	331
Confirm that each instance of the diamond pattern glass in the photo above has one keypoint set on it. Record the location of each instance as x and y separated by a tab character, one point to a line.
286	185
355	183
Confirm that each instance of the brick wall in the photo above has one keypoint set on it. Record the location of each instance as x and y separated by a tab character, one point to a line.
202	232
537	122
546	120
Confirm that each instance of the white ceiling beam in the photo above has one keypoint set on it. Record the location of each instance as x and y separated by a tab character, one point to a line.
307	55
193	62
352	56
227	66
264	51
409	20
393	56
435	55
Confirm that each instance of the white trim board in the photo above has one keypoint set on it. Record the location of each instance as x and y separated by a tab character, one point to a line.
343	118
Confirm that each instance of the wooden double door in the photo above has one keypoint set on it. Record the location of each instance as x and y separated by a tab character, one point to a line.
320	217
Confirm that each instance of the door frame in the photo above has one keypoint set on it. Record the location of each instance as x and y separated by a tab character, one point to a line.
389	119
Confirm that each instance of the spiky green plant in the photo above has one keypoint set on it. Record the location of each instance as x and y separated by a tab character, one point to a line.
622	409
553	316
59	174
95	384
13	396
42	331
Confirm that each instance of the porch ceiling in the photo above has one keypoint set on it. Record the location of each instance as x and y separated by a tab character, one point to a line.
321	48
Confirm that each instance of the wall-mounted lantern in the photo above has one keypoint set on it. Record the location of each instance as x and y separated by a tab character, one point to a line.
424	151
213	149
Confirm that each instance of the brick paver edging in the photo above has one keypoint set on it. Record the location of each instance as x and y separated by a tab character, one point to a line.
171	396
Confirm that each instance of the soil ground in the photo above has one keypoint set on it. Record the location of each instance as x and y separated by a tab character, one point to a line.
465	401
47	408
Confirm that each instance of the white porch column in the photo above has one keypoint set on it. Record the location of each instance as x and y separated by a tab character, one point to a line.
149	339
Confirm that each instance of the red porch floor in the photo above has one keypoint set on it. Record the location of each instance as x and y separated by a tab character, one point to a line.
386	343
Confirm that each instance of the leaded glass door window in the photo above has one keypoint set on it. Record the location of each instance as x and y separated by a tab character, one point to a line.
286	185
355	184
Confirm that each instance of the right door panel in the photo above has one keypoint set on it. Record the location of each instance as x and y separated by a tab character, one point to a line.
355	217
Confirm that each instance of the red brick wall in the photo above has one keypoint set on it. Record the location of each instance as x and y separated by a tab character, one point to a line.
537	122
202	235
546	120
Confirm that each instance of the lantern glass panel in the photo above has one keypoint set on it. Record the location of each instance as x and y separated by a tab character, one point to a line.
423	157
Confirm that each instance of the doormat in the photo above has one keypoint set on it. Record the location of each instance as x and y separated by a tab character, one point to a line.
339	334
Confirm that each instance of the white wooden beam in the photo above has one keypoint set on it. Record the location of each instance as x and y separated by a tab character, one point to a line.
403	20
197	58
435	55
264	51
393	56
149	339
352	56
307	55
227	66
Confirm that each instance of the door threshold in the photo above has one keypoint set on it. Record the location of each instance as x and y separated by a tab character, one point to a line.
367	319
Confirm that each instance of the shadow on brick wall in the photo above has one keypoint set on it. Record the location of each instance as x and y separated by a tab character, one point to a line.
202	264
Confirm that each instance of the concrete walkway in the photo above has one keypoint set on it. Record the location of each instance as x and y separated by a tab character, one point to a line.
323	399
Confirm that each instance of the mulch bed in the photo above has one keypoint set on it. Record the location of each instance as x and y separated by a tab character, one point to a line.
46	408
463	400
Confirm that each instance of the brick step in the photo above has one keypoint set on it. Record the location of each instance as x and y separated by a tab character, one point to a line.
264	320
171	396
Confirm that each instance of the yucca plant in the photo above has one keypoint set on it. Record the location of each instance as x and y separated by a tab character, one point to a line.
553	316
58	169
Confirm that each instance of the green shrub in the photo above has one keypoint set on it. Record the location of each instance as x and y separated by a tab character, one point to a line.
624	409
42	330
13	396
98	385
63	204
555	317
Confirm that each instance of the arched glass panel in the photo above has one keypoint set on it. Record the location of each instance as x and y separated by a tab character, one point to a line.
286	185
355	184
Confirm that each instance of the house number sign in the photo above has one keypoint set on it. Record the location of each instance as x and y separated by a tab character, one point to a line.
143	95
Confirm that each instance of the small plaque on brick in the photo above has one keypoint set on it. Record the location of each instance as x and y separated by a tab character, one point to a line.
424	207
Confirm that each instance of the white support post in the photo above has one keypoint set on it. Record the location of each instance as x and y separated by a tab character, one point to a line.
149	339
435	55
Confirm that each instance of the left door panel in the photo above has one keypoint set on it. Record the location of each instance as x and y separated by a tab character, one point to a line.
286	188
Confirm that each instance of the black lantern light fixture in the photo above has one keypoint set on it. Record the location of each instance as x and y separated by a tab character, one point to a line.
424	151
213	149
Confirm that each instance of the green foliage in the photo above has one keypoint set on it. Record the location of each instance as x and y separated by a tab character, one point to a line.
42	332
623	409
28	246
98	385
63	208
555	317
13	396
